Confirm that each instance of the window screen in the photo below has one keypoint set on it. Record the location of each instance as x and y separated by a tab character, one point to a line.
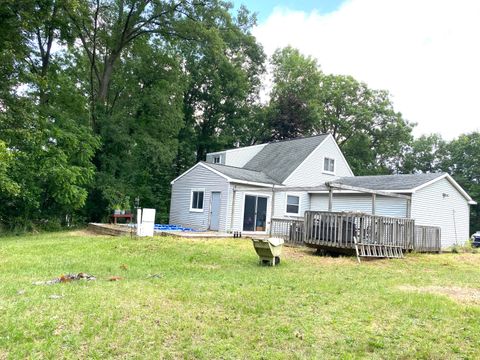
329	165
293	204
197	200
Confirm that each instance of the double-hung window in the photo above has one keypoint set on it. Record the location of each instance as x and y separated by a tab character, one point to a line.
216	159
293	204
329	165
196	202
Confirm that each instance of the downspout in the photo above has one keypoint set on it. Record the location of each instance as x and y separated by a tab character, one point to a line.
232	214
271	209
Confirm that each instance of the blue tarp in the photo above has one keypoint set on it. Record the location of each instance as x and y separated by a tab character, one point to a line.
167	227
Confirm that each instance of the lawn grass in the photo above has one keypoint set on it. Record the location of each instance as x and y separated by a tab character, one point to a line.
212	300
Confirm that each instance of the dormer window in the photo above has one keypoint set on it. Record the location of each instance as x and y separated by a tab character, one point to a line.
329	165
216	159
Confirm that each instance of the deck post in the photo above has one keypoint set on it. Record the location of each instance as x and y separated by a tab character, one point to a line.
374	199
330	199
409	208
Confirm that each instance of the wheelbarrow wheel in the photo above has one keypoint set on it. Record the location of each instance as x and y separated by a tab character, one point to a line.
277	260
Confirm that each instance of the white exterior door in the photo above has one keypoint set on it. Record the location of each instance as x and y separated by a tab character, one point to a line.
215	211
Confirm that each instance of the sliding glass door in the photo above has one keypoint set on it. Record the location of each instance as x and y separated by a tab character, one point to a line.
255	213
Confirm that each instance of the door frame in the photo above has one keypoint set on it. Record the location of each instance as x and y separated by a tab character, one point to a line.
267	220
210	209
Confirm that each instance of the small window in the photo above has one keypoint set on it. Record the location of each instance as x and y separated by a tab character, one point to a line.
293	204
329	165
216	159
197	200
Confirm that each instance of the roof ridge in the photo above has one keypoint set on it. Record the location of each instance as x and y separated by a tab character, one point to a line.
440	173
297	138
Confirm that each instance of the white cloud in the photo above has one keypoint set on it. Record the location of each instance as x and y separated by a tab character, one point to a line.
425	52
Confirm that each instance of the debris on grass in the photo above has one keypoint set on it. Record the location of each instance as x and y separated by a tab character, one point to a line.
20	292
115	278
456	293
67	278
55	296
154	276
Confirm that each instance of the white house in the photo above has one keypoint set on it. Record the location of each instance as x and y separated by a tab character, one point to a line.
242	189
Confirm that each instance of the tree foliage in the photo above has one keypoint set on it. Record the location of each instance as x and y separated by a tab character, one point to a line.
306	101
103	101
462	161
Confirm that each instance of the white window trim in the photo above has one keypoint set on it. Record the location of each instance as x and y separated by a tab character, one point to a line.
269	215
191	199
334	165
286	204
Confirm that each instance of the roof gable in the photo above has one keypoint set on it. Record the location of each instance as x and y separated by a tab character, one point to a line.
279	159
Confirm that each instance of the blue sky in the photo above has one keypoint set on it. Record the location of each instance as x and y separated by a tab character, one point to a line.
264	8
425	53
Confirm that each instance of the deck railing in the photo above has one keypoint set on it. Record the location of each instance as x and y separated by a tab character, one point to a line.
338	229
290	230
427	239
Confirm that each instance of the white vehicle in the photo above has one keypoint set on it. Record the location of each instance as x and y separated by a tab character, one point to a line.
476	239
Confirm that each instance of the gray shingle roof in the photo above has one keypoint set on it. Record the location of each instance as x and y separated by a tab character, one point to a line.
242	174
279	159
389	182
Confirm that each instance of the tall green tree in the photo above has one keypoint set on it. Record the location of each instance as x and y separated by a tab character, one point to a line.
293	110
463	163
424	154
223	69
305	101
41	122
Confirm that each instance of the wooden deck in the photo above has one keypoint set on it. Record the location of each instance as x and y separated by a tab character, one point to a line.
347	232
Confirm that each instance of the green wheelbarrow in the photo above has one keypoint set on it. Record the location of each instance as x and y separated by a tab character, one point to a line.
268	250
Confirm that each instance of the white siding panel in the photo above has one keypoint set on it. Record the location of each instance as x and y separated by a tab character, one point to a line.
451	213
199	177
280	207
239	157
210	157
385	206
310	172
236	157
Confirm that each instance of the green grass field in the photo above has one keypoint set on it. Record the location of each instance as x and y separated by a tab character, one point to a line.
211	300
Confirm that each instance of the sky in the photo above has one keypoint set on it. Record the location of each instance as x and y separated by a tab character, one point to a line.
426	53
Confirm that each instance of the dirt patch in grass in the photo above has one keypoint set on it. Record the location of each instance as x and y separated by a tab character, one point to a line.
456	293
307	254
83	232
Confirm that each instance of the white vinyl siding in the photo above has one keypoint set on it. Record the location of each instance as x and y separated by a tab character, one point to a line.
181	198
451	213
280	205
311	171
385	206
236	157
